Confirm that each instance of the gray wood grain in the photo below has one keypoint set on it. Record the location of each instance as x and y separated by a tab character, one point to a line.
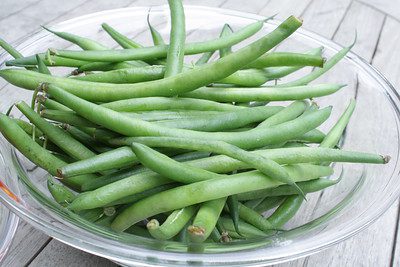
390	7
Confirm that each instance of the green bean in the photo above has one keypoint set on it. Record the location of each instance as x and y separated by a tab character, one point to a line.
222	121
162	164
277	59
63	140
175	222
318	72
82	42
288	113
115	176
122	156
66	116
136	197
285	211
13	52
35	153
334	135
176	47
51	104
49	61
254	218
27	127
132	126
121	39
92	215
220	164
253	202
307	187
248	231
42	66
85	139
313	136
205	220
155	35
178	84
220	187
60	193
156	115
233	205
269	203
204	58
106	66
99	134
226	30
168	103
131	75
279	72
161	51
263	94
246	78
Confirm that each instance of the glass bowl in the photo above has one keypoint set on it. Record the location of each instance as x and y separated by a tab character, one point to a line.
8	226
365	192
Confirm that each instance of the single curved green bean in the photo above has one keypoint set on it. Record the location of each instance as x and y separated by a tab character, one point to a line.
36	153
285	211
82	42
115	176
178	84
333	136
106	66
128	75
269	203
226	30
132	127
253	203
277	59
290	112
176	47
307	187
161	115
163	164
63	140
168	103
155	35
263	94
60	193
161	51
320	71
223	186
175	222
121	39
122	156
205	220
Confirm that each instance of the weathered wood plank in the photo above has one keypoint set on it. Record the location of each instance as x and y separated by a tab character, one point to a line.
60	254
249	6
390	7
27	242
285	8
11	7
387	61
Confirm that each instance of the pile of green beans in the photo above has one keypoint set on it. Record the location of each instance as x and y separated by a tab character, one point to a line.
198	151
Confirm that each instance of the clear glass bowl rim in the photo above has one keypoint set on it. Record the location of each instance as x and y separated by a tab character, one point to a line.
138	255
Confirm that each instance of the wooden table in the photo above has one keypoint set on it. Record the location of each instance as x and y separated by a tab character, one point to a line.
378	27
